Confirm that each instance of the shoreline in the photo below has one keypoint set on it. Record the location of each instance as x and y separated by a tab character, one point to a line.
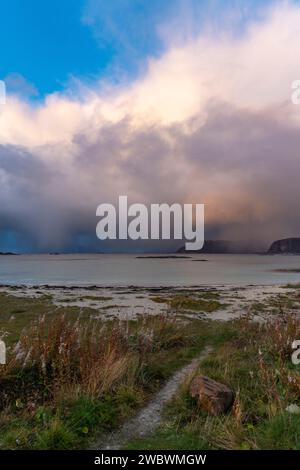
218	302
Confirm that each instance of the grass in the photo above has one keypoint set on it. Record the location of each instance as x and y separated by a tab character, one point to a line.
71	377
201	302
68	379
96	297
292	286
18	311
187	302
255	361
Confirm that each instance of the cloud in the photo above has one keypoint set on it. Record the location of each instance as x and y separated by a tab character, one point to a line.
210	121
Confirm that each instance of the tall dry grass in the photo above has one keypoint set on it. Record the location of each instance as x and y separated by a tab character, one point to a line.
90	357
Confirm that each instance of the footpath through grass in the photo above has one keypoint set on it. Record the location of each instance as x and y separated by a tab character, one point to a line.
255	361
68	380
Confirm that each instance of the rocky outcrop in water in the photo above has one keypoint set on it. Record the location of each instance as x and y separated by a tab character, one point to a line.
286	245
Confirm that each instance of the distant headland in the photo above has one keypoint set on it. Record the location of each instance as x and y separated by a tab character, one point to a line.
283	246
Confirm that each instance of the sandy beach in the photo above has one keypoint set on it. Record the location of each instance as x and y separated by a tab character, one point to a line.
131	302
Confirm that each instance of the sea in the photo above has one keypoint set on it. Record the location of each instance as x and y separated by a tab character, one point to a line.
112	270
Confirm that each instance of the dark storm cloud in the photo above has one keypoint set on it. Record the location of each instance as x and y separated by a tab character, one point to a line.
243	165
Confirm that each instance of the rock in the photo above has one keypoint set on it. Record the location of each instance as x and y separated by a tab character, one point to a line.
213	397
287	245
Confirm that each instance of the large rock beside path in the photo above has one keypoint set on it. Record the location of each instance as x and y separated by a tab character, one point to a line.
212	396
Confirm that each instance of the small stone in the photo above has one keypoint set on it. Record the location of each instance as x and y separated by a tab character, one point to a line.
293	408
213	397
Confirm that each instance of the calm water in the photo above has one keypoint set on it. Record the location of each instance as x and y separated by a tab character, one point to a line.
125	270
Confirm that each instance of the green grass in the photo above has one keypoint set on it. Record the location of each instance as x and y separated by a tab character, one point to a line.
292	286
209	295
202	301
54	410
69	423
99	298
171	440
252	360
18	312
280	432
188	303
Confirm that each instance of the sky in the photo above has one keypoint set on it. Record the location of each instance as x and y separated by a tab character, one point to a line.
165	101
49	43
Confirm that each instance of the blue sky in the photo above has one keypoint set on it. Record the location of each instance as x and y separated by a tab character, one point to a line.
48	42
45	42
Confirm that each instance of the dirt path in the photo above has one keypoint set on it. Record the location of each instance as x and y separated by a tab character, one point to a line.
150	417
